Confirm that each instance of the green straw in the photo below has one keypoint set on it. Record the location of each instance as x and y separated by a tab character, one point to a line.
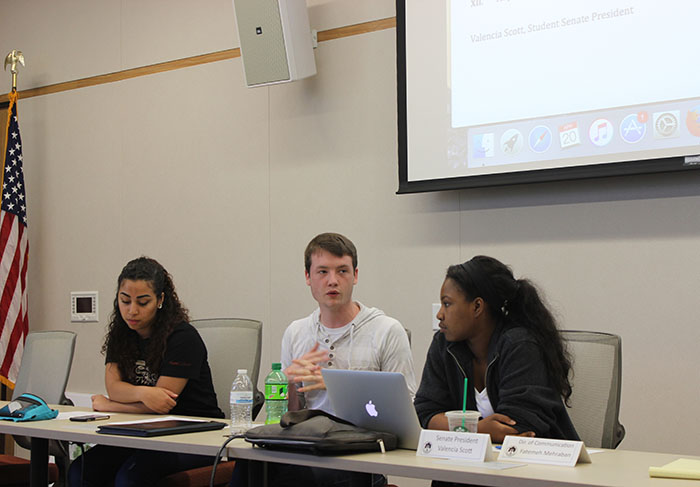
464	402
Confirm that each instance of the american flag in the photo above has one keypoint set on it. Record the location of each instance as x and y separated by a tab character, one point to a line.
14	253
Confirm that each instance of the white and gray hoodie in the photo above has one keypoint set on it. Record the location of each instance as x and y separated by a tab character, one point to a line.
371	341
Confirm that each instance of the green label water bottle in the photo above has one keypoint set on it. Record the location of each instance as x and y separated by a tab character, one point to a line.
275	394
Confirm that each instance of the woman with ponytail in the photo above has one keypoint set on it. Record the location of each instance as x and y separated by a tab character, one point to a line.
156	362
496	331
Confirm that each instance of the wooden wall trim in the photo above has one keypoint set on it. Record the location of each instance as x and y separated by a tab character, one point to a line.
128	73
357	29
323	36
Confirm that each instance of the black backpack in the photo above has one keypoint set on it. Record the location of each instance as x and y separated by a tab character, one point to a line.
315	431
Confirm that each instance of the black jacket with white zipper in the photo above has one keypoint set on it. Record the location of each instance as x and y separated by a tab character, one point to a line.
516	380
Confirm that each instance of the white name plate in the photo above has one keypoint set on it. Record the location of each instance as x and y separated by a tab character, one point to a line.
543	450
475	447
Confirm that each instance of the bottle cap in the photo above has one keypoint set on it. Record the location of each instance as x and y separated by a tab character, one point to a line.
243	371
276	366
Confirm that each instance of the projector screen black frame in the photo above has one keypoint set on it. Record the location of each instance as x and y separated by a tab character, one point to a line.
624	168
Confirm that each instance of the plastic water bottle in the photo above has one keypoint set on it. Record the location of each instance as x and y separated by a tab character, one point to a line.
275	394
241	400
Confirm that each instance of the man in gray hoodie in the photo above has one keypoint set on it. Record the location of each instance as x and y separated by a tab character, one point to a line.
340	333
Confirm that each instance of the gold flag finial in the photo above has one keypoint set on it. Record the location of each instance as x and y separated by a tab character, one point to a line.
12	59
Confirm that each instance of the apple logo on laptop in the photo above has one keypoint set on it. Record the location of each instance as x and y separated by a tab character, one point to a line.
371	409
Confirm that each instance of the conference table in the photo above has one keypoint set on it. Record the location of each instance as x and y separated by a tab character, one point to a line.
609	468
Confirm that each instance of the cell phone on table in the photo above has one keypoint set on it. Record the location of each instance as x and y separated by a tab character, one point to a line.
90	417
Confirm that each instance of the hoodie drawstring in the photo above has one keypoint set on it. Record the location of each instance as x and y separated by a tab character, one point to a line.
352	331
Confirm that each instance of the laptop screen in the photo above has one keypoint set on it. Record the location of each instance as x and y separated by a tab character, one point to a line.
378	401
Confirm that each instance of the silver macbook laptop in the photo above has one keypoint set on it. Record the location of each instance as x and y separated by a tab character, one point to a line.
377	401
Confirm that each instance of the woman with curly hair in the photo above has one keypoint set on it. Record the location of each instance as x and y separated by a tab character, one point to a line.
156	362
497	332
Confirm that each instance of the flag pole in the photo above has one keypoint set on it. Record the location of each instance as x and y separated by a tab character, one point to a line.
12	59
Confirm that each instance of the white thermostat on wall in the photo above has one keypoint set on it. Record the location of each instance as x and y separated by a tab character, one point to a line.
83	306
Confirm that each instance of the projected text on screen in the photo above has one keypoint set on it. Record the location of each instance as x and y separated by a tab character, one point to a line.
534	85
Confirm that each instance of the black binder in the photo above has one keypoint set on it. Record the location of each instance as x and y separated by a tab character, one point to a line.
160	428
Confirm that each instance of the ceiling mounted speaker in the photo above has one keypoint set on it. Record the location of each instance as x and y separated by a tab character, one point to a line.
275	37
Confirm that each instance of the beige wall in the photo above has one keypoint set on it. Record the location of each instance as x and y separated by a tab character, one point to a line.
225	185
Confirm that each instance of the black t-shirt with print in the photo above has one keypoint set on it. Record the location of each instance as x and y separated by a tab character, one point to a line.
185	357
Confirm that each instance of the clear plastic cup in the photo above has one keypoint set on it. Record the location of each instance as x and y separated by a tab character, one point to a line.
463	420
